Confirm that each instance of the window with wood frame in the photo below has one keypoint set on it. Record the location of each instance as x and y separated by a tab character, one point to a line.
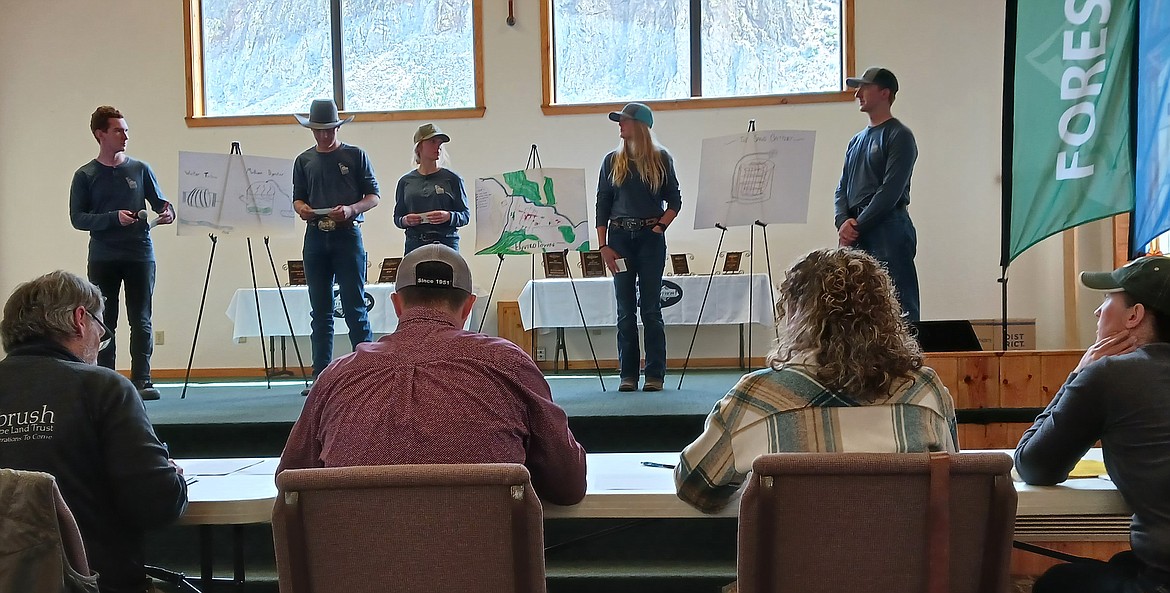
257	61
679	54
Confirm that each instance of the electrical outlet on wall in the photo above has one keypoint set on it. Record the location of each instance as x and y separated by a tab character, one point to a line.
160	337
540	356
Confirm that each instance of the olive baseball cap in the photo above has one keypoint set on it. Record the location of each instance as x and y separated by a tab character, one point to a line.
428	131
879	76
1147	279
434	266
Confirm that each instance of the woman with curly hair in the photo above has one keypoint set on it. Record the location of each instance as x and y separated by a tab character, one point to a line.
845	375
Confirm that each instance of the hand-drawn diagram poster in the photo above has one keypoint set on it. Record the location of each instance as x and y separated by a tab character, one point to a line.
235	195
531	211
762	176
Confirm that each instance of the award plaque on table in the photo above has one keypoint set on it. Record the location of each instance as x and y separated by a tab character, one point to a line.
592	264
389	272
731	262
296	272
680	264
554	265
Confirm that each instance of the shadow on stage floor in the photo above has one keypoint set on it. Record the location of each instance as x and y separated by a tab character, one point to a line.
248	418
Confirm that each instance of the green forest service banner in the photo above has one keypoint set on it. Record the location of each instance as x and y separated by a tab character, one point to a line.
1070	116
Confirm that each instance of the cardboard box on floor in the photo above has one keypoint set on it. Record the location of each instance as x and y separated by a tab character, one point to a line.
1021	333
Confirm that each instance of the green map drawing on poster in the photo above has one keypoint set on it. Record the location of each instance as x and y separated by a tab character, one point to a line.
531	211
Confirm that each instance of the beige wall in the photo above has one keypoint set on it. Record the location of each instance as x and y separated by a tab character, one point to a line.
61	58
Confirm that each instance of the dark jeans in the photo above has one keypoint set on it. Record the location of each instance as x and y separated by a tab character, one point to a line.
894	242
340	256
1124	573
138	276
640	287
414	241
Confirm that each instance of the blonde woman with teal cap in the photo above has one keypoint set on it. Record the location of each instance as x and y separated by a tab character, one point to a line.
637	199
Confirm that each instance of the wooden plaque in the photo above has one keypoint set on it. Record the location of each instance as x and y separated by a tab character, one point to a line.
296	272
389	272
592	264
680	264
731	262
554	265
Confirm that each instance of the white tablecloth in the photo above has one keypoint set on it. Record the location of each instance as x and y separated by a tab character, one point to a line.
242	311
727	303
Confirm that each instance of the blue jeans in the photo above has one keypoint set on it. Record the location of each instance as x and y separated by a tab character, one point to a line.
640	287
340	256
894	242
414	241
138	276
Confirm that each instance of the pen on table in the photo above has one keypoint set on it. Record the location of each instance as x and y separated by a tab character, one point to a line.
656	464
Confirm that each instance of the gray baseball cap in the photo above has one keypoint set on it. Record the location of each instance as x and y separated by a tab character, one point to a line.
1147	279
879	76
434	266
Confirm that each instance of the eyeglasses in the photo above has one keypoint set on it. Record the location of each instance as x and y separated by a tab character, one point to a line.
107	335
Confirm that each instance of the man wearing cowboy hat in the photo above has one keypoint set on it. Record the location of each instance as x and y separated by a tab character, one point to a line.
333	184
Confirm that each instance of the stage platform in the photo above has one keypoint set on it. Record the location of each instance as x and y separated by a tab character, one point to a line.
247	418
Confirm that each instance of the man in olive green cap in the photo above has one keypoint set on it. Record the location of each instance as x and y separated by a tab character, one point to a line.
1119	394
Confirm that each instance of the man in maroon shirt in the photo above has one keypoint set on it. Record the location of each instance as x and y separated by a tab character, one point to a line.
432	392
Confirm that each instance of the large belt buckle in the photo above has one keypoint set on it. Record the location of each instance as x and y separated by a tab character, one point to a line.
631	224
326	224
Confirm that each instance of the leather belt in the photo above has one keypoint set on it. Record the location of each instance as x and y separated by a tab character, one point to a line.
631	224
327	224
429	236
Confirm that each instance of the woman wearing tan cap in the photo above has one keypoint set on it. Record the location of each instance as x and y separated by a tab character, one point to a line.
430	203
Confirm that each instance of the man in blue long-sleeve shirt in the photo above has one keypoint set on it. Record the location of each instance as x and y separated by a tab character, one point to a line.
874	191
105	199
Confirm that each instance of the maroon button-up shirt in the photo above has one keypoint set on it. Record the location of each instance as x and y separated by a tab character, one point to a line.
432	392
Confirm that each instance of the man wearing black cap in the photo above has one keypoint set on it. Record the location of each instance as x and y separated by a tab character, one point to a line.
432	392
333	184
874	191
1118	394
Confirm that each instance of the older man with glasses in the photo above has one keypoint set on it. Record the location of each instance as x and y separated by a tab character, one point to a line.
62	414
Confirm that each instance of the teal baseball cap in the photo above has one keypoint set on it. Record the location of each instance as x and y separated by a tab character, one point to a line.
1147	279
636	111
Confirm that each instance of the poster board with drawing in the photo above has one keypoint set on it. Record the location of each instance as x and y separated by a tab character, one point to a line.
531	211
235	195
761	175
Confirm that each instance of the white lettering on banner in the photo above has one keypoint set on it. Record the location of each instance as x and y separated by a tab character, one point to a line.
1076	85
